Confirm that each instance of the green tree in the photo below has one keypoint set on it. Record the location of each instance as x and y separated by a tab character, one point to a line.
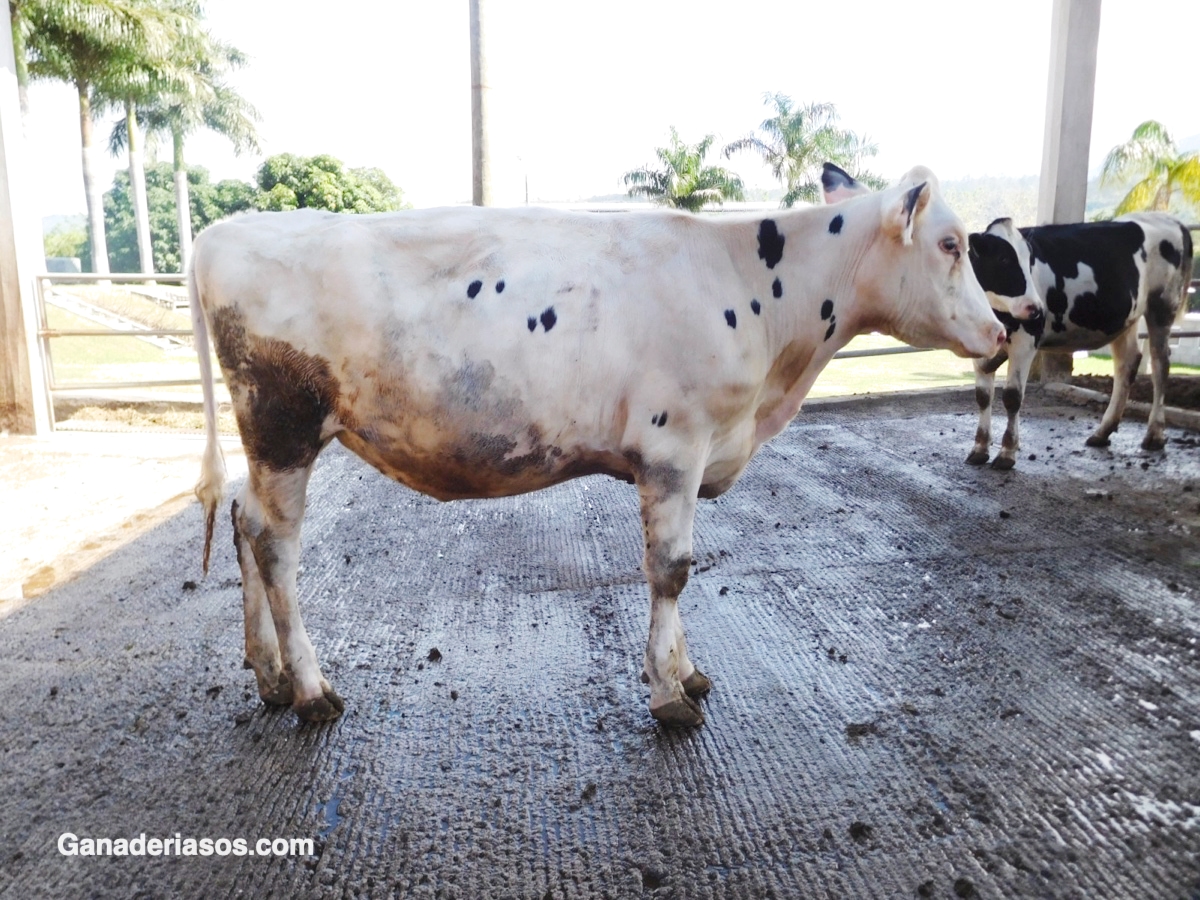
797	140
287	181
92	45
1159	171
208	203
68	240
196	97
684	181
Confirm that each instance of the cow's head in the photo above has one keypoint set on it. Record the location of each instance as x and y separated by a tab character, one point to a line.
1000	258
917	275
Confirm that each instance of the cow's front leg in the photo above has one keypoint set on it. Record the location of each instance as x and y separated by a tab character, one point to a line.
1019	361
985	380
1160	366
268	523
1126	359
668	500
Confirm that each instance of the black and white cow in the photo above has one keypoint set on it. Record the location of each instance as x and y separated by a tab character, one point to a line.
1072	287
1098	279
482	353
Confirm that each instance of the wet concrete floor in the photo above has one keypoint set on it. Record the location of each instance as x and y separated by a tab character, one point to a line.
930	680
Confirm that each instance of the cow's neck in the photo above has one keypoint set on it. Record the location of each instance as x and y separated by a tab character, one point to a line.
821	307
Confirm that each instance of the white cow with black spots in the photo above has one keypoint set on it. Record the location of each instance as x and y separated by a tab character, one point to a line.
483	352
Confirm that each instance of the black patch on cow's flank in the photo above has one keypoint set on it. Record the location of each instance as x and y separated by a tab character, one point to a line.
996	265
654	419
826	309
549	317
1169	253
474	288
755	307
835	224
500	286
532	323
731	318
770	243
776	288
1109	250
832	327
662	419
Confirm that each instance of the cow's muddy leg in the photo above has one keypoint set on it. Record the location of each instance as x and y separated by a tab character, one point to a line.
668	500
985	380
1126	359
1160	364
1019	361
262	644
269	523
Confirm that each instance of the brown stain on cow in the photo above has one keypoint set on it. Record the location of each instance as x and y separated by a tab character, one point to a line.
785	372
283	396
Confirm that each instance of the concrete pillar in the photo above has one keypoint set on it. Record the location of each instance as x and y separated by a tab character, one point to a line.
481	163
1062	190
24	408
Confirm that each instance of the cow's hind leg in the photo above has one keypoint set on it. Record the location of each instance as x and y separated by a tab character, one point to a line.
985	381
262	644
268	522
668	500
1160	366
1126	359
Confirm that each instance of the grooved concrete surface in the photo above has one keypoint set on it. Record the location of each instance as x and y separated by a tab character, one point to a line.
930	680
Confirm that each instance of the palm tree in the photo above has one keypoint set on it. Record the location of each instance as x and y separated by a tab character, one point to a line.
798	140
685	182
1160	170
196	96
91	44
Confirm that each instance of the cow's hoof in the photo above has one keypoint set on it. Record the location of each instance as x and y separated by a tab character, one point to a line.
682	713
977	458
1004	463
1097	440
1154	443
279	695
696	684
321	709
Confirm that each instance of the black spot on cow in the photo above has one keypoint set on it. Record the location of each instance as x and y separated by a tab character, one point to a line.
755	307
996	265
1169	253
826	309
474	288
770	243
1056	305
654	419
1034	325
549	318
832	327
731	318
835	224
661	419
531	322
776	289
500	286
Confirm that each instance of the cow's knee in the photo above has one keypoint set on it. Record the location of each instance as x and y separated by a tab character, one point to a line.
1012	400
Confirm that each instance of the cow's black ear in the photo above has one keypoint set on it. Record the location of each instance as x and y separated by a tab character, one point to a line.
833	177
975	241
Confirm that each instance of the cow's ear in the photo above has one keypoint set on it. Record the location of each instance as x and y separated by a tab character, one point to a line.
975	242
837	184
1002	227
904	211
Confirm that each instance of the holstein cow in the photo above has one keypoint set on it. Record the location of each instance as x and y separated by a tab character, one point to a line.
1098	280
1072	287
483	353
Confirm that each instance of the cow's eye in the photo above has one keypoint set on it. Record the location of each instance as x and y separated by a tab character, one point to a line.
950	245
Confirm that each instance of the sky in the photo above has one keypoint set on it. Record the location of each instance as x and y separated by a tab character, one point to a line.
582	92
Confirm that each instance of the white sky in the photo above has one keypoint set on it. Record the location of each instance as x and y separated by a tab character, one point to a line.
582	92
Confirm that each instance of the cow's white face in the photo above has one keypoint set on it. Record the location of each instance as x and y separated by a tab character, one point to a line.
1000	257
923	271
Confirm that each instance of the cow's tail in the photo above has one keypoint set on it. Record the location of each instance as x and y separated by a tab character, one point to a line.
211	485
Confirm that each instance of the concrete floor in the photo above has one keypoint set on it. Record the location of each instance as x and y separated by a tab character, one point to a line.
930	680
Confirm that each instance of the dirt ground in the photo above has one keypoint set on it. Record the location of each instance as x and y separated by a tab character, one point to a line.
1183	391
930	680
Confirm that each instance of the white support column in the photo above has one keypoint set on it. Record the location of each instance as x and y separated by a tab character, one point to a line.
1074	34
1062	190
481	163
24	405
